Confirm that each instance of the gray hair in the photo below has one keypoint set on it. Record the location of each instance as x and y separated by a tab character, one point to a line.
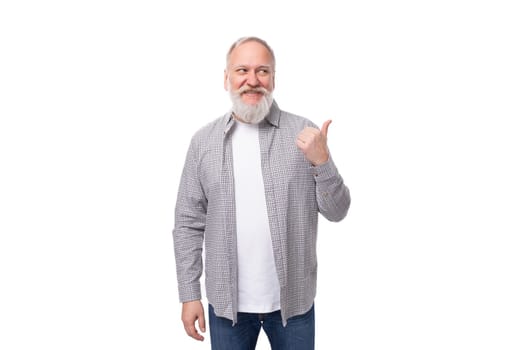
246	39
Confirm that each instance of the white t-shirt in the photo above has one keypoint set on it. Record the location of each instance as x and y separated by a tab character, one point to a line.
257	278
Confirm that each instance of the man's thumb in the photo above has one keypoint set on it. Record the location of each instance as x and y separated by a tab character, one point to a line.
324	128
202	324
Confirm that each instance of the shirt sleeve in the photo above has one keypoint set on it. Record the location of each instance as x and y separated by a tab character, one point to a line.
333	196
188	233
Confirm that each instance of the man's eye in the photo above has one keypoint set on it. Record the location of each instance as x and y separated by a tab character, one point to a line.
263	72
242	70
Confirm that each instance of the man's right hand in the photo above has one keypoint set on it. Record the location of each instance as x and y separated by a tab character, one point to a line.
193	311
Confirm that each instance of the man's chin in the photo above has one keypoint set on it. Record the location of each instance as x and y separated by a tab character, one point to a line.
252	99
249	110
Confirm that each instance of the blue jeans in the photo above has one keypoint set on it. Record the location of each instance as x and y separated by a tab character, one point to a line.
299	333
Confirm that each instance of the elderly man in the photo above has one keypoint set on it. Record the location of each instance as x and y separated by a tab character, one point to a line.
251	189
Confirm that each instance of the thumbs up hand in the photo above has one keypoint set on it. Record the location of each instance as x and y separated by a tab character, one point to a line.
313	143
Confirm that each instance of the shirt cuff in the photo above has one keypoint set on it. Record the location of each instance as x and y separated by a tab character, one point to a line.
189	292
324	171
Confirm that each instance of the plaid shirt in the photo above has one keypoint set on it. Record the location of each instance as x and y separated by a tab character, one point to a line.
295	193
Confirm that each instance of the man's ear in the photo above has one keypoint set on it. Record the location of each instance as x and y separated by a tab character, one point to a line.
225	80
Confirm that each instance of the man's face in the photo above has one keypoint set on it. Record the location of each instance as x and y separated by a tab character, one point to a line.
249	70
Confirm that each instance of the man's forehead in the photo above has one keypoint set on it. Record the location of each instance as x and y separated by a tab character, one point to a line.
251	54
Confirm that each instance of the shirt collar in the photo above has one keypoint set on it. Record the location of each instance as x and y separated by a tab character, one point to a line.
272	118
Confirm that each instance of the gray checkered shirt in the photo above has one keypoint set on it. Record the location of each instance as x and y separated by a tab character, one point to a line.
295	193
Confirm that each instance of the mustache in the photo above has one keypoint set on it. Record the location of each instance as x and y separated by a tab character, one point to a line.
247	89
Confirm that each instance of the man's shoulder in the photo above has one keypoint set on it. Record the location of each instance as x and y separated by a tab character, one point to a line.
211	130
295	121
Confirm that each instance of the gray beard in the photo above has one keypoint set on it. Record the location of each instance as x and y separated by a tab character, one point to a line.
252	114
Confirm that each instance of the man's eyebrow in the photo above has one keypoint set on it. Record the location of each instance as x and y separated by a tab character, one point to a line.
248	66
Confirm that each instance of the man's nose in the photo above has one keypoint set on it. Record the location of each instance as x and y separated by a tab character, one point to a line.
253	80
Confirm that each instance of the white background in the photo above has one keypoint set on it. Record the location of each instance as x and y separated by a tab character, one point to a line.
98	101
